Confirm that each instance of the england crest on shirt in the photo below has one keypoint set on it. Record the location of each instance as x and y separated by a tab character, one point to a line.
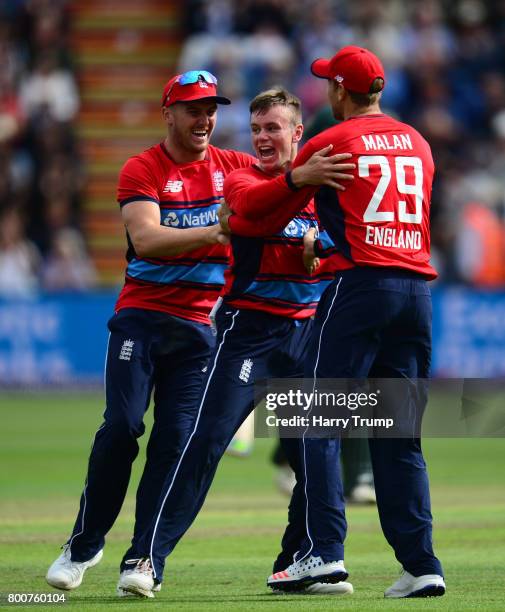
218	180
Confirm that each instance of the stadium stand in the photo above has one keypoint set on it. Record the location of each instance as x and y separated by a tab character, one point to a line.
125	51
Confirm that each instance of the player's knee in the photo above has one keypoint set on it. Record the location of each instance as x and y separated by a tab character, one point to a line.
123	428
211	442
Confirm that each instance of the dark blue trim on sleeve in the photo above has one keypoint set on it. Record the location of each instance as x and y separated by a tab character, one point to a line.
290	183
331	215
138	198
318	248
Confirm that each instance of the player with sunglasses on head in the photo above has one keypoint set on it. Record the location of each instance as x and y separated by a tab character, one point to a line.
160	338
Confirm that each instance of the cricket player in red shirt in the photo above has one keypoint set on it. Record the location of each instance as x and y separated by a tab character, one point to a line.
375	319
160	339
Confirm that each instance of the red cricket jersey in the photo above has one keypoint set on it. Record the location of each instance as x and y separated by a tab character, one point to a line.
188	195
382	218
264	207
266	269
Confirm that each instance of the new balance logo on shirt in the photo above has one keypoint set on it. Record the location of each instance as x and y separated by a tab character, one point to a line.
173	187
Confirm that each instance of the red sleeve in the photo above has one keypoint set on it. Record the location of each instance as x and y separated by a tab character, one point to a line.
254	199
268	225
136	182
245	227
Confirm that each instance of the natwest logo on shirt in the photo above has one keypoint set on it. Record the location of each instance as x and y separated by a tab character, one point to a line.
190	218
173	187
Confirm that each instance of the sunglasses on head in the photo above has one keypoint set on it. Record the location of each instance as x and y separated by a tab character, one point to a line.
191	77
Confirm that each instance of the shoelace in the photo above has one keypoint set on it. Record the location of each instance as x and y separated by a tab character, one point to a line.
300	566
75	567
142	565
66	550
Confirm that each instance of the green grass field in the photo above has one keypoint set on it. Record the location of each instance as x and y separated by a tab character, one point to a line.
225	558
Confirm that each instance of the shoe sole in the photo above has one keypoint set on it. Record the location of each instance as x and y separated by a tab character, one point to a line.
123	593
302	583
61	587
432	590
346	588
325	588
135	592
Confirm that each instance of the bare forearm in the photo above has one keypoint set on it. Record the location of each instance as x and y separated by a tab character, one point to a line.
302	177
169	241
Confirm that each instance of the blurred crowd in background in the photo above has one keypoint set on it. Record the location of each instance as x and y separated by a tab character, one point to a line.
41	178
445	69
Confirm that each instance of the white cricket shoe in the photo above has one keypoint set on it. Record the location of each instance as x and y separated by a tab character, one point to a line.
139	580
67	574
319	588
429	585
307	571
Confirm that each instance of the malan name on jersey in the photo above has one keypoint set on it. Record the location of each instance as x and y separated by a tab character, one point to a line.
385	142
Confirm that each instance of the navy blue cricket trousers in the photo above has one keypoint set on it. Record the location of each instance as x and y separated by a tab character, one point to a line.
373	322
251	346
146	350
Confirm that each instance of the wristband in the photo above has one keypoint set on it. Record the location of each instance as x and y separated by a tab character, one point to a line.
289	182
318	248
